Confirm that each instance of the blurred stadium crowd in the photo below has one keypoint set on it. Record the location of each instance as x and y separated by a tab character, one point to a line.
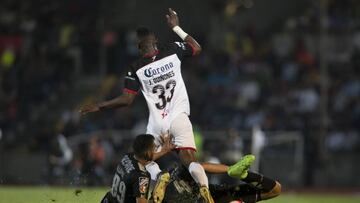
51	52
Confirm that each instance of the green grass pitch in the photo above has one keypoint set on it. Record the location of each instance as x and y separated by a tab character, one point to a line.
94	195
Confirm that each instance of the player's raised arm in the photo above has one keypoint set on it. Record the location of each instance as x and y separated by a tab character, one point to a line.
173	22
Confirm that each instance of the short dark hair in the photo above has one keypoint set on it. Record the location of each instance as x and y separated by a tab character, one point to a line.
143	32
142	144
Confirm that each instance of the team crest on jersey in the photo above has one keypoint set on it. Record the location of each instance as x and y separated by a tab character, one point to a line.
181	45
164	113
143	184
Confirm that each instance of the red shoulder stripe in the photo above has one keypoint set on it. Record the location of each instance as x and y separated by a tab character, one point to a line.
130	91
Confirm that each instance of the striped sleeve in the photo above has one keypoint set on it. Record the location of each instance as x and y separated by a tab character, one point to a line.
183	49
132	85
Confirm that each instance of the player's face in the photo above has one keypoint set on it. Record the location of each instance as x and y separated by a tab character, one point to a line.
151	152
148	43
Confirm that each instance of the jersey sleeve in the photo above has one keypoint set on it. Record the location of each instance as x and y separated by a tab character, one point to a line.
132	84
141	185
183	49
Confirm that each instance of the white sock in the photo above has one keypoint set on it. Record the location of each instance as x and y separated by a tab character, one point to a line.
198	174
154	169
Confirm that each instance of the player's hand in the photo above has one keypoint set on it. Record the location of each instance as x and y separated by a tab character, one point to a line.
89	109
172	18
166	142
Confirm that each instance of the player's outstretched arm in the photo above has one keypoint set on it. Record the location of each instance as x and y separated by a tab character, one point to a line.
173	22
126	99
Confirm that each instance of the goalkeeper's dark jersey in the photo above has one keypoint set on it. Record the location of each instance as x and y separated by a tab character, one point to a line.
131	181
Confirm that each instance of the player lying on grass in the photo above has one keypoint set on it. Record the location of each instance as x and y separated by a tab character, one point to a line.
131	180
256	187
157	73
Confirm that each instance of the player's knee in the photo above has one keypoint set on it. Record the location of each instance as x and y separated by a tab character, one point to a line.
276	190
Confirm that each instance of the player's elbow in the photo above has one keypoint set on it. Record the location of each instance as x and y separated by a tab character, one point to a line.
197	50
129	101
125	99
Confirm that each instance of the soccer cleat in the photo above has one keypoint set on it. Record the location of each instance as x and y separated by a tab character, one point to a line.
160	187
205	194
240	169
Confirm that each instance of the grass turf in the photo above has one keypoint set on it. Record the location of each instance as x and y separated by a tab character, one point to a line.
94	195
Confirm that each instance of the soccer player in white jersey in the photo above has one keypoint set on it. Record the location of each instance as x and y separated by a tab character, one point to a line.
157	73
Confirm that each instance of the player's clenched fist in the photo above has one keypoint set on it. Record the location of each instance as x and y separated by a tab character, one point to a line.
172	18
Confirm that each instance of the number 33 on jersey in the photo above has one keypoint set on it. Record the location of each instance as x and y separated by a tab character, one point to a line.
160	80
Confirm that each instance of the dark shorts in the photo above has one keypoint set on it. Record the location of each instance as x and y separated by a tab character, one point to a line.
226	193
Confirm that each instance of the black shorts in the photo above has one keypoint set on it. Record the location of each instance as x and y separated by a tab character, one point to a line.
221	194
226	193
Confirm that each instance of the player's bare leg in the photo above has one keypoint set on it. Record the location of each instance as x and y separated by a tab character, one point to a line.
238	170
215	168
196	170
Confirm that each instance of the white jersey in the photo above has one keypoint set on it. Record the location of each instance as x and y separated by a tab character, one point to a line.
160	80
